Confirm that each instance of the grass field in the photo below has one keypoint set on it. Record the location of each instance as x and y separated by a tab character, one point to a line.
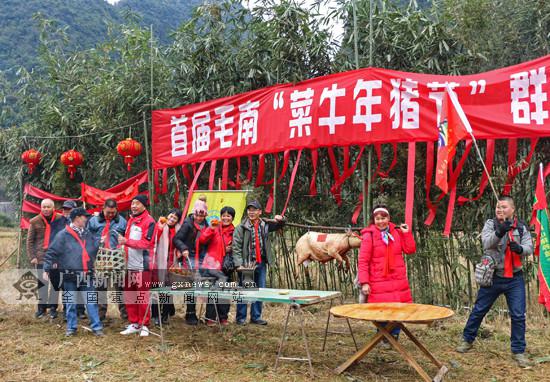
37	350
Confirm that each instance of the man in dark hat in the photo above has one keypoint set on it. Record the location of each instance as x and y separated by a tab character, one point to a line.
68	206
105	228
74	251
252	247
139	245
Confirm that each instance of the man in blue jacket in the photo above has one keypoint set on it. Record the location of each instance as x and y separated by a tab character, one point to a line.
74	251
105	229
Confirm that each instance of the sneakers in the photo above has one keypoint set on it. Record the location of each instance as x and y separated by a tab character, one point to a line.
53	314
70	333
464	347
191	320
144	331
521	360
241	322
131	329
211	322
40	313
98	333
224	322
259	321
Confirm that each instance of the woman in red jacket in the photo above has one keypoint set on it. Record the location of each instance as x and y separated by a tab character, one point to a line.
381	266
218	239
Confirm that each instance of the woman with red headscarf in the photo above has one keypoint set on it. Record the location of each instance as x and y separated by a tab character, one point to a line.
382	272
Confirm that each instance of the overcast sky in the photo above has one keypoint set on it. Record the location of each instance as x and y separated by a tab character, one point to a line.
336	28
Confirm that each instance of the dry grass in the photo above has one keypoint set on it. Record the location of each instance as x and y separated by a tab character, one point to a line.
36	350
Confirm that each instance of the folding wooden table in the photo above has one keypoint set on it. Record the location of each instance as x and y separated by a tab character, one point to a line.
295	299
386	316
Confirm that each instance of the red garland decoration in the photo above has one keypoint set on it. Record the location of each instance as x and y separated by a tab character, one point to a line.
72	159
32	158
129	149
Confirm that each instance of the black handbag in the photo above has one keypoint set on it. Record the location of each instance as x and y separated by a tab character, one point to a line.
228	265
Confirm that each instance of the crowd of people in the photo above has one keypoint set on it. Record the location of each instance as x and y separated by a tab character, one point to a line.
63	249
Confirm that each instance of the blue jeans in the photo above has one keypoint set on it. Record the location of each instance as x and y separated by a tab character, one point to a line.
74	294
260	275
394	332
514	290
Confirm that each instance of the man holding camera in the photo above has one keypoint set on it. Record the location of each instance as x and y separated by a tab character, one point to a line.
507	240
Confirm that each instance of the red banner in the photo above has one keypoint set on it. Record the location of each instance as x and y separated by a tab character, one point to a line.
96	197
353	108
40	194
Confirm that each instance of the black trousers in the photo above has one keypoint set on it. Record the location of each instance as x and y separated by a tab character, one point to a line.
48	294
223	308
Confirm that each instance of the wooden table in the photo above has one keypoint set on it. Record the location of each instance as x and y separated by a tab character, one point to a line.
387	316
294	299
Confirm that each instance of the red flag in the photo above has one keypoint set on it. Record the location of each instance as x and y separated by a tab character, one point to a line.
539	204
451	131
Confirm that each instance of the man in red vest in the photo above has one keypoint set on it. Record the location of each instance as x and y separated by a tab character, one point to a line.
139	245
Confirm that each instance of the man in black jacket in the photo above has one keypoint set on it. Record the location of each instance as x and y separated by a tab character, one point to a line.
74	251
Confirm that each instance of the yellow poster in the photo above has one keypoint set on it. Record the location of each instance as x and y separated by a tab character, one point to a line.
216	200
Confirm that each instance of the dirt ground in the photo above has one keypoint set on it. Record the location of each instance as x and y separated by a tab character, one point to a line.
36	349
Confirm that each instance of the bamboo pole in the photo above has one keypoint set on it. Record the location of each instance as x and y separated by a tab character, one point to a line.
275	183
356	54
20	238
149	170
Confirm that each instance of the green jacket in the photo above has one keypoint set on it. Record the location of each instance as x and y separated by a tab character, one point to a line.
242	240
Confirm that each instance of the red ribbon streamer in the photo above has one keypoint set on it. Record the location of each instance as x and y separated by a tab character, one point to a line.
225	173
336	174
186	174
312	184
512	156
165	181
191	189
489	157
212	177
514	170
385	174
261	170
291	183
249	173
452	181
429	173
357	209
409	201
176	203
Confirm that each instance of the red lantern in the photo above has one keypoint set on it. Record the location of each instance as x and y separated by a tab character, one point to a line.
72	159
129	149
31	158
